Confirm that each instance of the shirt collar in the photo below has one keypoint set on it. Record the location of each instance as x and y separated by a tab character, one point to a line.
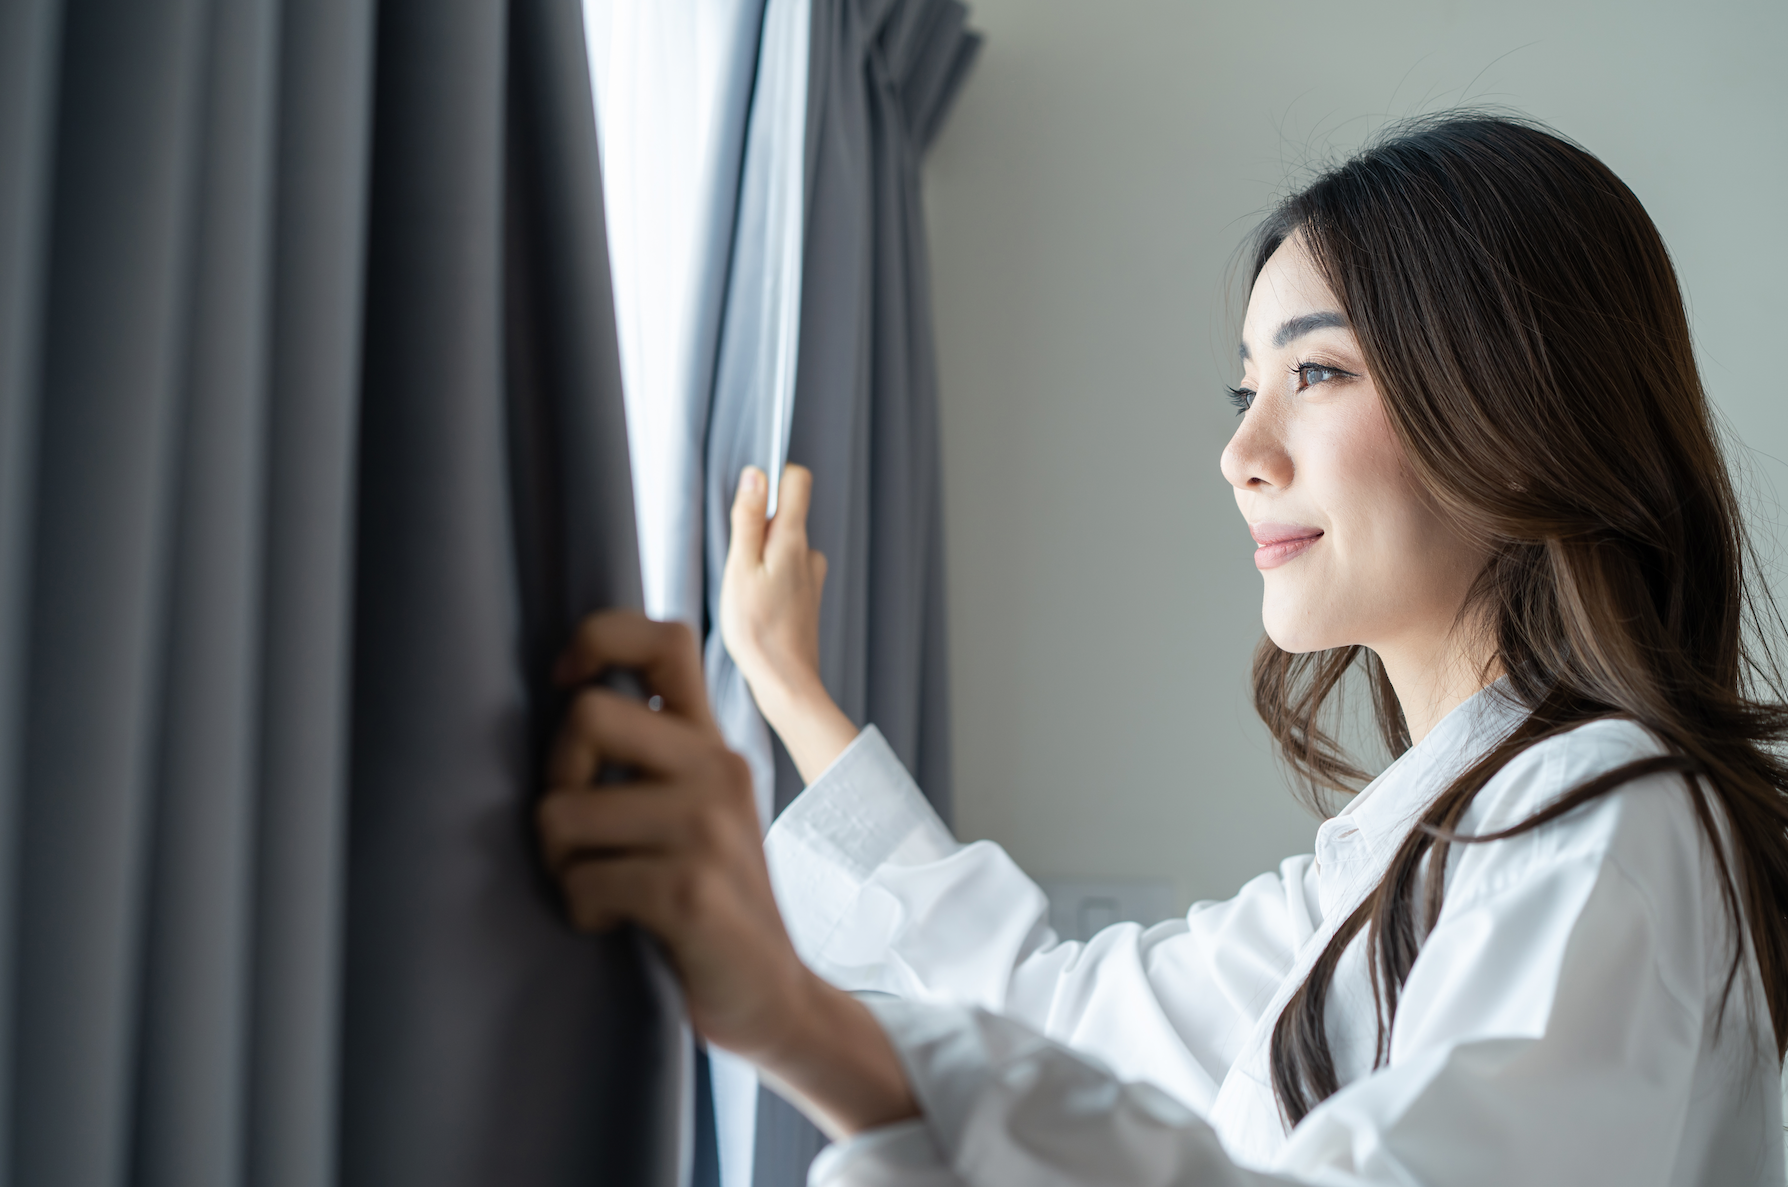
1384	807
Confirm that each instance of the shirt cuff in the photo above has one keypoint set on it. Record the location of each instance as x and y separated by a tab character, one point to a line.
898	1155
1005	1105
862	813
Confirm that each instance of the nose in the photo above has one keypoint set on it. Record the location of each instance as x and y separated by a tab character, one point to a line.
1256	457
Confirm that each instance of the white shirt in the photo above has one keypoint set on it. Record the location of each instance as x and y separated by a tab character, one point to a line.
1560	1025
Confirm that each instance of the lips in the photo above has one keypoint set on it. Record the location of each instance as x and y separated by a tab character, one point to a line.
1280	542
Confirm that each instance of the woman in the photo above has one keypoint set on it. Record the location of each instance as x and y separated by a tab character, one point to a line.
1546	945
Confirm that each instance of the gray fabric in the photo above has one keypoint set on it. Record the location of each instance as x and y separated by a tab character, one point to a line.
119	249
29	31
324	138
194	1001
473	1052
867	388
308	462
863	413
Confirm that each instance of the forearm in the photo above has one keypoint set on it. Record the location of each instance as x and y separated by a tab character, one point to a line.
813	729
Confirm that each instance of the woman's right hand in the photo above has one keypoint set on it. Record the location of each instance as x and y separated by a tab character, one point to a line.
675	847
769	618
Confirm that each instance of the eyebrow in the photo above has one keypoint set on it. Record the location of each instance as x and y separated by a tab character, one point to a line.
1308	323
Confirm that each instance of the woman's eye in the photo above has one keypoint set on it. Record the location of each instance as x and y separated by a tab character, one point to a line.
1311	374
1242	398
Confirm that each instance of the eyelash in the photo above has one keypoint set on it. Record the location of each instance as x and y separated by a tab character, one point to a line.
1243	397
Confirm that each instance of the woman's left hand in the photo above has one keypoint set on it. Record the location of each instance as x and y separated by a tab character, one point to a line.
677	849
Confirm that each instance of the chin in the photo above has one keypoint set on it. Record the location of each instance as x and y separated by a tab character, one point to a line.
1296	642
1293	628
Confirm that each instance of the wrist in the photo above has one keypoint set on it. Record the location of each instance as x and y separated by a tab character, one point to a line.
785	698
795	703
801	1027
837	1064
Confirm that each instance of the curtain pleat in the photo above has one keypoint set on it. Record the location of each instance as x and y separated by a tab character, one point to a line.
437	703
193	1010
312	450
118	273
30	32
611	1091
314	343
865	406
472	1053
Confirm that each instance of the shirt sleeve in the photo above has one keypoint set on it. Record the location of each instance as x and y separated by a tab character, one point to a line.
1549	1035
878	896
1004	1105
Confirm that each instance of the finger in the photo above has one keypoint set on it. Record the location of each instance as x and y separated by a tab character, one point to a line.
749	503
664	653
572	759
605	727
577	823
601	892
788	531
655	892
817	559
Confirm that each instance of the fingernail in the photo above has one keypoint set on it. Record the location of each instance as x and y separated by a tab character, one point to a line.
752	479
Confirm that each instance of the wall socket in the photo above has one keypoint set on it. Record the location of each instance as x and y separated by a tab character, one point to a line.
1081	907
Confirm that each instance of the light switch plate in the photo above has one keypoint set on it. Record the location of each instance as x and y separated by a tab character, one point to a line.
1079	908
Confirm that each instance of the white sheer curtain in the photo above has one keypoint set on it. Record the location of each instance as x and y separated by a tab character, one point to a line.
672	83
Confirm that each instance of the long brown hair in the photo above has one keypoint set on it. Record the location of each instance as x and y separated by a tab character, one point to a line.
1523	322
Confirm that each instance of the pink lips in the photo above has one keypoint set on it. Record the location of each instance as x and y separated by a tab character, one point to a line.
1280	542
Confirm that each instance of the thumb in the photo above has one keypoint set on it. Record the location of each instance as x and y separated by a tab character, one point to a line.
748	517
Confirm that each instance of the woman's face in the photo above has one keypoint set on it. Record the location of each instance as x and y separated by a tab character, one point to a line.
1352	550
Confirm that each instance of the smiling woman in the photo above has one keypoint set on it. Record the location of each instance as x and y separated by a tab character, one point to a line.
1546	946
1539	376
1319	474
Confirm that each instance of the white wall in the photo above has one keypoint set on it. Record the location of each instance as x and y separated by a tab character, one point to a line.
1085	199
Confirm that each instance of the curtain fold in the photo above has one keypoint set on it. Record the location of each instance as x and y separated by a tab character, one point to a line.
312	449
30	33
119	244
312	376
884	74
474	1053
192	1024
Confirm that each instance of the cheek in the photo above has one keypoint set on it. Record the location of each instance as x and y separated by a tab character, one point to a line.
1389	563
1421	564
1381	514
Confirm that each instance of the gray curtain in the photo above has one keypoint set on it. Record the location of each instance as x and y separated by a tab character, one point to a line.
311	449
863	412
